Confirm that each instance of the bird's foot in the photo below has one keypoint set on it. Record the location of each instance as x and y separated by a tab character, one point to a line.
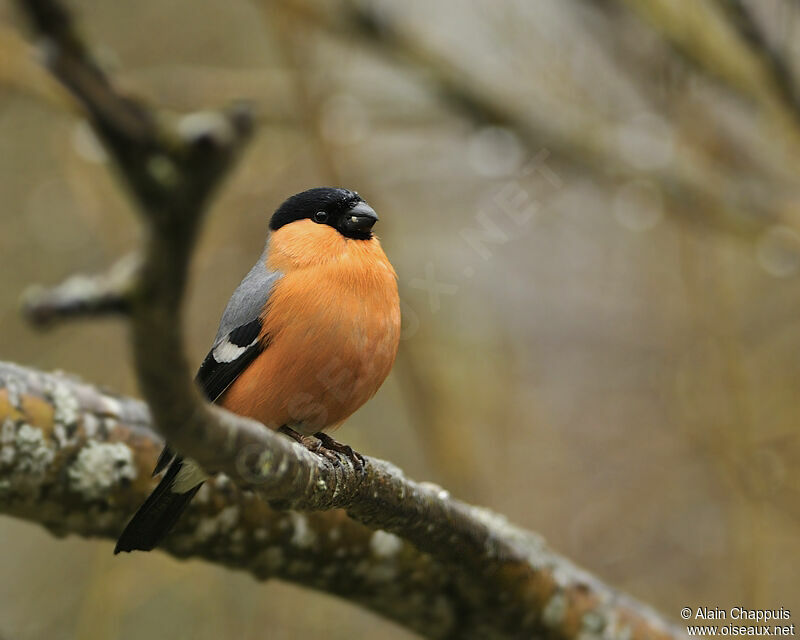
322	444
359	461
312	443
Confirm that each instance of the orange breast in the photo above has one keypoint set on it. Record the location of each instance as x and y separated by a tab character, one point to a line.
333	325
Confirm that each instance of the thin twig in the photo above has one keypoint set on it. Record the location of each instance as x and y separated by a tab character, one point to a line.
81	296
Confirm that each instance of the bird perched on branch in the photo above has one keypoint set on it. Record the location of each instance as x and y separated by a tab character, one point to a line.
307	338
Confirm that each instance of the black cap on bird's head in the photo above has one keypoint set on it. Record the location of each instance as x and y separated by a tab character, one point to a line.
342	209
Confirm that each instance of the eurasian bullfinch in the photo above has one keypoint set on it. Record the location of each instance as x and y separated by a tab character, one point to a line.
306	339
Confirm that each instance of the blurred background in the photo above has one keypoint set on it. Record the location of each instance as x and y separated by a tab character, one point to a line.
593	211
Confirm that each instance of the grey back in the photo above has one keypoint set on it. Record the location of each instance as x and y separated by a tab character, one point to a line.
248	301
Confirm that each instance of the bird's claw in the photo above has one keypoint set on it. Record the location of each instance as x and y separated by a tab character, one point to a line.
359	461
325	446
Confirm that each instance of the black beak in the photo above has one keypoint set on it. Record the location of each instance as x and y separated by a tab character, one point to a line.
359	220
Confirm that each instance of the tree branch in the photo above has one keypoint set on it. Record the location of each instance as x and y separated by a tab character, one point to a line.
104	294
77	459
488	566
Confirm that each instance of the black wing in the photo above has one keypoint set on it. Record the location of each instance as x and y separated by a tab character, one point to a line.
229	357
223	364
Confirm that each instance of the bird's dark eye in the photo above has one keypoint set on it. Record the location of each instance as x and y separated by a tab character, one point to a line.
321	217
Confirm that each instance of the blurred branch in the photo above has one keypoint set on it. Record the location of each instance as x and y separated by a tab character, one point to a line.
775	62
695	31
509	583
694	184
722	40
80	296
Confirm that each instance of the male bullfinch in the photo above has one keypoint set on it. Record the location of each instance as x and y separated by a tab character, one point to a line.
306	339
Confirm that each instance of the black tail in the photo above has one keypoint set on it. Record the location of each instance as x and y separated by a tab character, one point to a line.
157	515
